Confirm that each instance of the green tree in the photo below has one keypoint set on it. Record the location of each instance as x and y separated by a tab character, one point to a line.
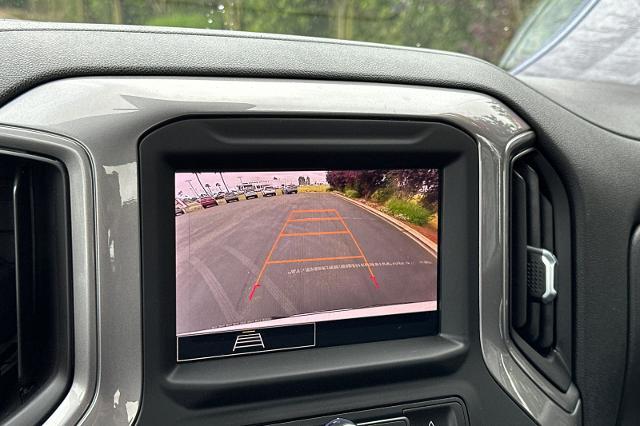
482	28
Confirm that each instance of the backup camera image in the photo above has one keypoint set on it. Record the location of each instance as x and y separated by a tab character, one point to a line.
265	250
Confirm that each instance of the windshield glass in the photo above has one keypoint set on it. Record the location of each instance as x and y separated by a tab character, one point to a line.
482	28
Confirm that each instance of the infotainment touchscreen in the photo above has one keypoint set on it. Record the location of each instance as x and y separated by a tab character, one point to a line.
279	260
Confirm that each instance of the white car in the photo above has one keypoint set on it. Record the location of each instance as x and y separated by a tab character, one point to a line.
268	191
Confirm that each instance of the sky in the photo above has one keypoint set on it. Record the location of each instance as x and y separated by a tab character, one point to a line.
233	179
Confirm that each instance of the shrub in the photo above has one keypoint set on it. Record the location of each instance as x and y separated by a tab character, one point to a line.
381	195
364	181
418	199
406	210
352	193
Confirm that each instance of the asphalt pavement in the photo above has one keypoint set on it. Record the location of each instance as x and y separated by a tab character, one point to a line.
274	257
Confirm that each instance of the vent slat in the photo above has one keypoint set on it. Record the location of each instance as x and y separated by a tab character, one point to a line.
547	311
533	206
519	244
533	321
547	330
547	224
24	276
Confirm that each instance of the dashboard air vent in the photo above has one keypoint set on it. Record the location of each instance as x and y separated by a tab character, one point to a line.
35	337
541	294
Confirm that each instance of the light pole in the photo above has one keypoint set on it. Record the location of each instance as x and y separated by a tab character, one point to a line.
200	182
223	182
192	188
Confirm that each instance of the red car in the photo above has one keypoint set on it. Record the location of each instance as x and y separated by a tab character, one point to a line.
207	202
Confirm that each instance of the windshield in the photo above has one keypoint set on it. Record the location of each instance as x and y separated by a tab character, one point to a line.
481	28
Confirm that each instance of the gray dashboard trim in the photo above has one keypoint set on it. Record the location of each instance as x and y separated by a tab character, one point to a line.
109	114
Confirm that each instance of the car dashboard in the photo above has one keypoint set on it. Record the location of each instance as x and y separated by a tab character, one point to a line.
534	270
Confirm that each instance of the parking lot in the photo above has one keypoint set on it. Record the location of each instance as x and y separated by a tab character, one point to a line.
275	257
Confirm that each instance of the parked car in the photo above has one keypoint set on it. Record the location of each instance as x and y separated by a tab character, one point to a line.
179	211
291	189
268	191
231	196
207	202
250	193
218	196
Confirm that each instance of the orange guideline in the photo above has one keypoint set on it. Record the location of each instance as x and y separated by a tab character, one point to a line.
281	234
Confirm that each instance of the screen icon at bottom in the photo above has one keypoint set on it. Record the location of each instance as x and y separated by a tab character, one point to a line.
244	342
248	340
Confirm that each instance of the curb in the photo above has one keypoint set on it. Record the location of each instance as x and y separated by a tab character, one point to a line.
415	235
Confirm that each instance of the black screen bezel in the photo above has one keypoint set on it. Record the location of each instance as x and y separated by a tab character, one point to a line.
270	142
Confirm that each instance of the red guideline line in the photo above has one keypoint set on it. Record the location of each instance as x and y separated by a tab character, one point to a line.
375	281
253	289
